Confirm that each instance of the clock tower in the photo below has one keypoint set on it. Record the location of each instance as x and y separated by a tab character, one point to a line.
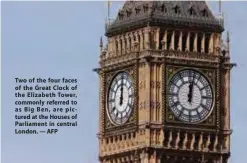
164	80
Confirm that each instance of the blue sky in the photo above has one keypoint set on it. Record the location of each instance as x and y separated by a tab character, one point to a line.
60	39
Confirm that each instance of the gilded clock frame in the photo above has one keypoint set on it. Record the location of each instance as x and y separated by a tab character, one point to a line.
212	74
131	124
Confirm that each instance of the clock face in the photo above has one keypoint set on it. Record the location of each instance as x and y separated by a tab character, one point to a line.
190	96
120	98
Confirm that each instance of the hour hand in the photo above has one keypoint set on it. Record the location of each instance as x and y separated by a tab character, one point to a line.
190	92
121	97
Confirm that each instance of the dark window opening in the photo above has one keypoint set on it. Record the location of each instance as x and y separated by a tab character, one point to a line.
124	136
192	11
189	141
169	38
137	10
145	8
206	46
167	134
181	140
130	43
120	16
111	139
199	43
184	40
117	46
160	39
128	13
143	42
192	37
121	46
176	40
204	13
197	138
139	39
125	43
134	38
212	140
176	9
162	8
205	138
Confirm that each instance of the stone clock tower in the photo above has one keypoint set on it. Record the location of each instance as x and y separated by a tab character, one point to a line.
164	80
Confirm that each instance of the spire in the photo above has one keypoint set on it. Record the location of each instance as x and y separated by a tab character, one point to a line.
228	43
108	10
220	6
101	44
228	36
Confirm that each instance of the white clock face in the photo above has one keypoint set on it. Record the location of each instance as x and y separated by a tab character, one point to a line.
120	99
190	96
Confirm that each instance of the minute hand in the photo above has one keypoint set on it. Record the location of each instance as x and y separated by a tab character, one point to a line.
121	89
192	87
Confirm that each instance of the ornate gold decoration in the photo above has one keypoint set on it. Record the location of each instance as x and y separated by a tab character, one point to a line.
209	123
108	127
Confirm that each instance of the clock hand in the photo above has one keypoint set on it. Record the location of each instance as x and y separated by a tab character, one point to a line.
121	89
191	89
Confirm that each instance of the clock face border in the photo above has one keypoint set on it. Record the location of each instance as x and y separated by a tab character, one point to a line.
107	127
213	120
129	80
201	74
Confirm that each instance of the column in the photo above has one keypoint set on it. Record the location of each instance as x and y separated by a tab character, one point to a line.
164	41
131	42
203	43
211	44
195	43
157	38
172	41
119	46
128	43
123	45
188	42
141	39
147	38
180	41
137	42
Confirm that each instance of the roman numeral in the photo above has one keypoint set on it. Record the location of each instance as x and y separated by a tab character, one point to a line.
112	89
205	107
113	109
111	100
129	105
203	87
198	79
175	104
198	114
181	78
173	94
181	112
207	97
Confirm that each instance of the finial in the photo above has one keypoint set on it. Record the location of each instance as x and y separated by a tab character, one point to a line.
101	42
228	36
220	6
